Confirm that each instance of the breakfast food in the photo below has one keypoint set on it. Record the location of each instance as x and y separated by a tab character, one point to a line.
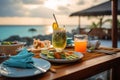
9	42
61	55
38	44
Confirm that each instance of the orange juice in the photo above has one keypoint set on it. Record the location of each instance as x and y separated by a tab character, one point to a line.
81	46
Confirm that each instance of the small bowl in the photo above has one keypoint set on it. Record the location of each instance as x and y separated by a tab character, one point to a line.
11	49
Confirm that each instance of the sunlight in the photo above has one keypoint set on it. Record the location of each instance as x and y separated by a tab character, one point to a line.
31	7
48	30
53	4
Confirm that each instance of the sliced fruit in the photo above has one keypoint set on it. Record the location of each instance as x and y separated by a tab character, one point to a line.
57	55
55	26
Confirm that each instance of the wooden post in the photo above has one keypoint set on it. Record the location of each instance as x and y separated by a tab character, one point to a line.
115	73
114	23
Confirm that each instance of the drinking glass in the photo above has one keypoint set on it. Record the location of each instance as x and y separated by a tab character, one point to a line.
80	42
59	39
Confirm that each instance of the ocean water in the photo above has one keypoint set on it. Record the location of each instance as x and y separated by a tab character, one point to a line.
23	30
108	43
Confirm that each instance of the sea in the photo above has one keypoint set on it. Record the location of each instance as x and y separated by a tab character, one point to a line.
24	31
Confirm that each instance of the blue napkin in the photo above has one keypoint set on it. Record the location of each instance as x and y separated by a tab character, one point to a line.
69	41
22	60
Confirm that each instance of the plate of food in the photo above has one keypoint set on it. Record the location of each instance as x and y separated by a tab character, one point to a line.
13	72
62	57
39	44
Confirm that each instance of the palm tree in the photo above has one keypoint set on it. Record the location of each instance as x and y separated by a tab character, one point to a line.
118	23
94	25
101	22
96	28
98	24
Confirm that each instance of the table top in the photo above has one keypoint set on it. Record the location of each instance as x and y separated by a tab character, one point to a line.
89	65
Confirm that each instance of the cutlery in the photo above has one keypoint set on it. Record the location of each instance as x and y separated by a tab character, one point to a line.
4	70
39	68
5	56
106	51
53	70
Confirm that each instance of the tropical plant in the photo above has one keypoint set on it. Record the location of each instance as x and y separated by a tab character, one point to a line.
99	23
94	25
118	23
110	20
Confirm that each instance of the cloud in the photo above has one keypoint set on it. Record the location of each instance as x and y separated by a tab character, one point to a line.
63	10
81	2
11	8
42	12
33	1
16	8
8	2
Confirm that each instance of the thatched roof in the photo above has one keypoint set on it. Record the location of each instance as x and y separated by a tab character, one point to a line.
98	10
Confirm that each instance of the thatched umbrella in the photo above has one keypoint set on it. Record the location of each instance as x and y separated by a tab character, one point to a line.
107	8
98	10
32	30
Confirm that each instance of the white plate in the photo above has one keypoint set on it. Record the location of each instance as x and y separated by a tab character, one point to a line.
19	72
80	55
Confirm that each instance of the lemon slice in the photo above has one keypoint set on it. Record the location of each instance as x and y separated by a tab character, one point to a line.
55	26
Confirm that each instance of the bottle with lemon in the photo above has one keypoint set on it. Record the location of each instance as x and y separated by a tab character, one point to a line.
58	37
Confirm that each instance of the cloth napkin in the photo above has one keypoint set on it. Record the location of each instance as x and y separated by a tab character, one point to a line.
22	60
69	42
94	43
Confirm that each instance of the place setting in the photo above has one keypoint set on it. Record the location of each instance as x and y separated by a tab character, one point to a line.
60	40
61	50
23	65
94	46
58	54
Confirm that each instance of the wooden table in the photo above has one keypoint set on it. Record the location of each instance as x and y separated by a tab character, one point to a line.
89	65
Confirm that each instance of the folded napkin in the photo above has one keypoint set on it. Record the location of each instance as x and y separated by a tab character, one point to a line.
69	41
94	44
22	60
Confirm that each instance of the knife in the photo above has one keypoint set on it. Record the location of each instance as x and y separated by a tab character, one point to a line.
39	68
4	70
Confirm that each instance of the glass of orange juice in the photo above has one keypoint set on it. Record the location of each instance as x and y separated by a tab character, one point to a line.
80	42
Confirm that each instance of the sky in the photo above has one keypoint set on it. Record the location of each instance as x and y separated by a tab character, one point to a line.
40	12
